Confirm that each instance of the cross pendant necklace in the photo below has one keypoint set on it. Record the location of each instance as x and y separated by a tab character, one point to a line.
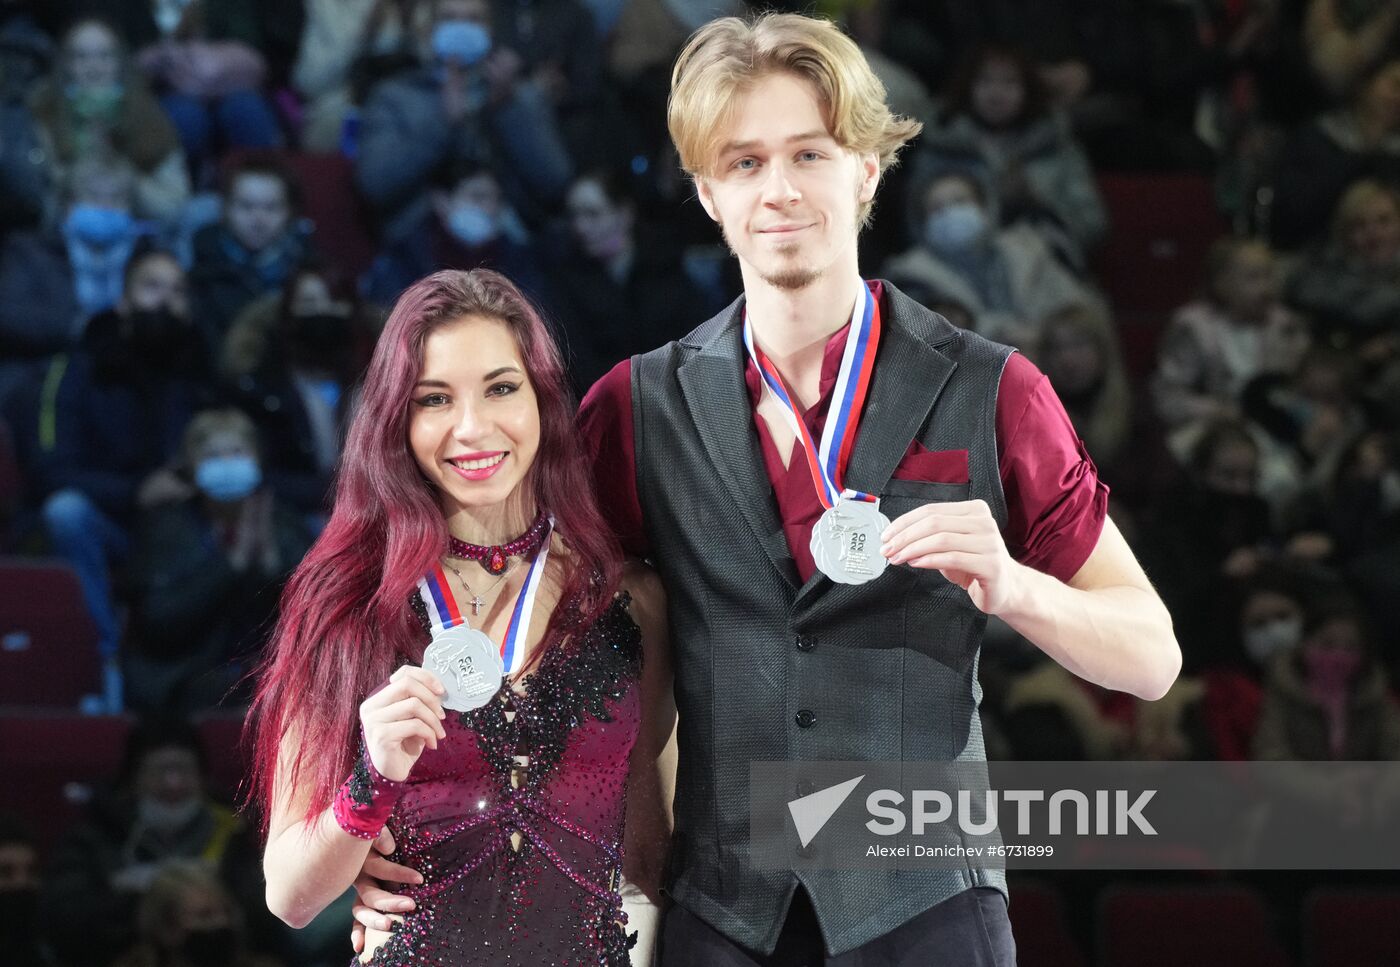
476	602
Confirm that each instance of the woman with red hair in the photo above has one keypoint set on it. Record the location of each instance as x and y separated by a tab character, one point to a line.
464	644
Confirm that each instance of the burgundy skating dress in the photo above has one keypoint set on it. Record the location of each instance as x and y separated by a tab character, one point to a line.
553	901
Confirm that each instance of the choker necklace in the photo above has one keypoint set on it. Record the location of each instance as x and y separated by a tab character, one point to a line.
495	557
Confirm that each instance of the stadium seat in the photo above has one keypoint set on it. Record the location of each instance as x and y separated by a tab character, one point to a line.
48	643
57	758
1160	227
1204	926
1351	928
330	200
220	733
1038	922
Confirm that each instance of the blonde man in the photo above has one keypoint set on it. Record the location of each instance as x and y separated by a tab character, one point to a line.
780	654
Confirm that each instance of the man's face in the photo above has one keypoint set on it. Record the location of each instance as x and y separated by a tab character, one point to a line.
786	196
257	210
471	11
169	775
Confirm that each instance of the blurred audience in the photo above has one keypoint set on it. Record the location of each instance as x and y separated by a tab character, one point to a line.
291	362
104	418
1360	139
96	104
189	919
158	810
998	127
1215	345
468	225
252	250
207	571
20	878
618	284
1351	287
1007	278
465	100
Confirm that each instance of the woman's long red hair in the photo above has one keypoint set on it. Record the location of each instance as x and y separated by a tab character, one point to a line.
345	621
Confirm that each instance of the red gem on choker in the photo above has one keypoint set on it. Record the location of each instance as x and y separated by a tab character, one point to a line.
495	557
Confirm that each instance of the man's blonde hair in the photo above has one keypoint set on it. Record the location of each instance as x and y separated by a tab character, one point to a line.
726	57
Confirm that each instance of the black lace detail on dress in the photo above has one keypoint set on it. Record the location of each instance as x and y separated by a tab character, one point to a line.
361	783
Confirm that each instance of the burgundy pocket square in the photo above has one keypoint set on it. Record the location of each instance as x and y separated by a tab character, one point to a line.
933	466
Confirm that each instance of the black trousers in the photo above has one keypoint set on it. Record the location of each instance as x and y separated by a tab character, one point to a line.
970	929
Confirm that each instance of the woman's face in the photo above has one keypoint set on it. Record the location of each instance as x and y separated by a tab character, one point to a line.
1382	95
1249	284
474	419
93	57
1373	233
998	93
601	227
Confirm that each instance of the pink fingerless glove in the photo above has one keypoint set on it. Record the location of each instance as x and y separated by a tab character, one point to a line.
365	800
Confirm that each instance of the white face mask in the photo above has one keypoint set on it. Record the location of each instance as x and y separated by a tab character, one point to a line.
1264	641
167	816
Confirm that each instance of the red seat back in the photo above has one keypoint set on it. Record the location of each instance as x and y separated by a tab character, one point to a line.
52	761
1039	925
1352	928
48	643
1204	926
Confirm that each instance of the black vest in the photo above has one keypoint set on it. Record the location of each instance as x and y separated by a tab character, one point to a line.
887	670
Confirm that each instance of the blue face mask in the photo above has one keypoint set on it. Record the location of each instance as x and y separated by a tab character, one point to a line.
227	479
471	225
97	226
956	227
461	42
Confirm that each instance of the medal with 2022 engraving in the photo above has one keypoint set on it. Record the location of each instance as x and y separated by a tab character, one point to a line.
845	542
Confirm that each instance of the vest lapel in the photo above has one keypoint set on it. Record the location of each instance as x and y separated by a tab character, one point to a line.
909	376
712	383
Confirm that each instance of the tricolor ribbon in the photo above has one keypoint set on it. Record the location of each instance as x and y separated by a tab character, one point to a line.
827	463
443	612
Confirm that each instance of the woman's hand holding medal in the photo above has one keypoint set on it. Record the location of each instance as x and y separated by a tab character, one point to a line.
961	541
402	719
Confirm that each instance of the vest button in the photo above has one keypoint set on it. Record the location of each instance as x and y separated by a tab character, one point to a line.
806	718
806	787
806	642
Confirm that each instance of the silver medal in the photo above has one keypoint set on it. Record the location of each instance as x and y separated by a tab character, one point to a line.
846	542
468	663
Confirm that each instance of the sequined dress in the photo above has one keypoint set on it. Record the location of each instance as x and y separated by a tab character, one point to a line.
552	901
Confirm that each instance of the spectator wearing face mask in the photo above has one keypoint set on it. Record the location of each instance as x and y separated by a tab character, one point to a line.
19	895
1007	277
52	282
251	250
1351	288
101	420
468	225
617	284
158	811
466	100
291	362
96	104
1328	699
1078	352
207	571
998	127
189	919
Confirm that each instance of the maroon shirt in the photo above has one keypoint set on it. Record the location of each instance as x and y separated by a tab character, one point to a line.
1055	502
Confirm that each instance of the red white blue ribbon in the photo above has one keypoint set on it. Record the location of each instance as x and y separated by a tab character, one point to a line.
827	462
443	612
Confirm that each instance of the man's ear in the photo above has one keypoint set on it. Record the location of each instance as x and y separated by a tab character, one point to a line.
707	200
870	176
